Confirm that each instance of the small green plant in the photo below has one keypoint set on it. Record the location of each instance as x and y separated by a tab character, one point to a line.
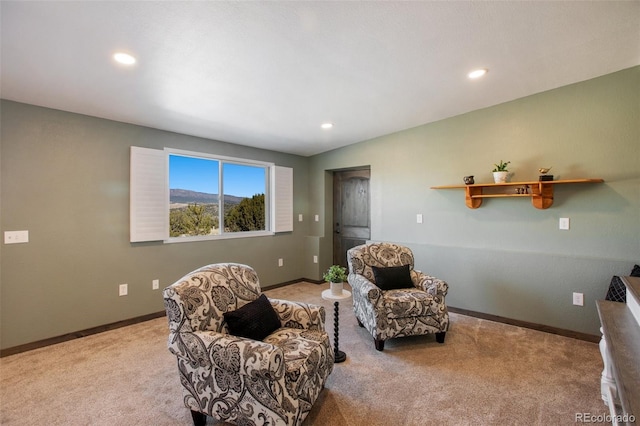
502	167
335	274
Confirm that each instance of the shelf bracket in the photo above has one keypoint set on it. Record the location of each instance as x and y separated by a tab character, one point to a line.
470	191
541	195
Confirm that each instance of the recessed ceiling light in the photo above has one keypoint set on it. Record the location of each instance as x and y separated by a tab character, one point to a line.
327	125
124	58
478	73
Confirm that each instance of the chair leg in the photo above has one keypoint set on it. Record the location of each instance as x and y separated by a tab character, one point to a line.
440	337
379	344
199	419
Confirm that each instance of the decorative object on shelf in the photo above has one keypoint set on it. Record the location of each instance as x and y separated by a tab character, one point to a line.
544	176
468	180
522	190
541	192
336	275
500	173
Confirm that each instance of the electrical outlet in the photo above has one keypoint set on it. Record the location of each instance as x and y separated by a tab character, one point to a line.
317	218
300	218
315	259
419	218
123	289
280	262
578	299
155	284
564	223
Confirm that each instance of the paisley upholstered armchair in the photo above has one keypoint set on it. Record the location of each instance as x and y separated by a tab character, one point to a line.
272	375
390	298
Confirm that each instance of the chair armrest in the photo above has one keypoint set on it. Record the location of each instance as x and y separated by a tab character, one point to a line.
299	315
237	355
432	285
364	288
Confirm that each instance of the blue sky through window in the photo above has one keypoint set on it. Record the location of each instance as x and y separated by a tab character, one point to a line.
243	181
201	175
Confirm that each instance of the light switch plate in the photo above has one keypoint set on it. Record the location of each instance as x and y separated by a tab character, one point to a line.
564	223
578	299
16	237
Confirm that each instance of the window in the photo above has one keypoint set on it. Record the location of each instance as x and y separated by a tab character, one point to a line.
174	196
214	196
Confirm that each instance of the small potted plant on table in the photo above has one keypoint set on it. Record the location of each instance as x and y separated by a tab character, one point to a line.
336	275
500	173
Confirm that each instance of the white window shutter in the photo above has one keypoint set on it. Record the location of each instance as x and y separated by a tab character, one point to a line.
148	198
282	200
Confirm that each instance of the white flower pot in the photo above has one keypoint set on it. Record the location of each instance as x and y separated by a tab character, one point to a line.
336	288
501	177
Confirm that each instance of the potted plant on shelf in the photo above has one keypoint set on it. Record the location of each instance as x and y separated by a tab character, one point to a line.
336	275
500	173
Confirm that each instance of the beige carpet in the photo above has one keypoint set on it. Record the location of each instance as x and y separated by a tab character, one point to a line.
486	373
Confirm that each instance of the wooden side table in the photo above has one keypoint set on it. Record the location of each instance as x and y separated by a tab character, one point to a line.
339	356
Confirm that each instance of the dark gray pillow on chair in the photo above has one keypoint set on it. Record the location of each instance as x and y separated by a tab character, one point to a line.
255	320
392	277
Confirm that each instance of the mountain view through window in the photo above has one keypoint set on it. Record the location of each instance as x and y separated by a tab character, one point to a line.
196	207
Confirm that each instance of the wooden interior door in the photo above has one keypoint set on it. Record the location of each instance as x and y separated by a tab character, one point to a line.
351	212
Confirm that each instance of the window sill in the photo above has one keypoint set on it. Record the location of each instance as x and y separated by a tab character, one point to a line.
226	236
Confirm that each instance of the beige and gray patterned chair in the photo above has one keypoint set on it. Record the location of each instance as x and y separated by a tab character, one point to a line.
419	308
236	379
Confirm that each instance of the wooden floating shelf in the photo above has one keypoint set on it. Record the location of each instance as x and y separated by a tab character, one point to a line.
540	192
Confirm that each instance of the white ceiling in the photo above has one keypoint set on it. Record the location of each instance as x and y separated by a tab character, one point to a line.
267	74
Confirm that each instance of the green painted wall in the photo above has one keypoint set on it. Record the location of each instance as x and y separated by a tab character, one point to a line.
65	178
508	258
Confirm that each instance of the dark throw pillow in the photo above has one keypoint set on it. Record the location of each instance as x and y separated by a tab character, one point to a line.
635	272
392	277
255	320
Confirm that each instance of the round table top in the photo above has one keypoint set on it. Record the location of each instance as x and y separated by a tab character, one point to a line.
327	295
